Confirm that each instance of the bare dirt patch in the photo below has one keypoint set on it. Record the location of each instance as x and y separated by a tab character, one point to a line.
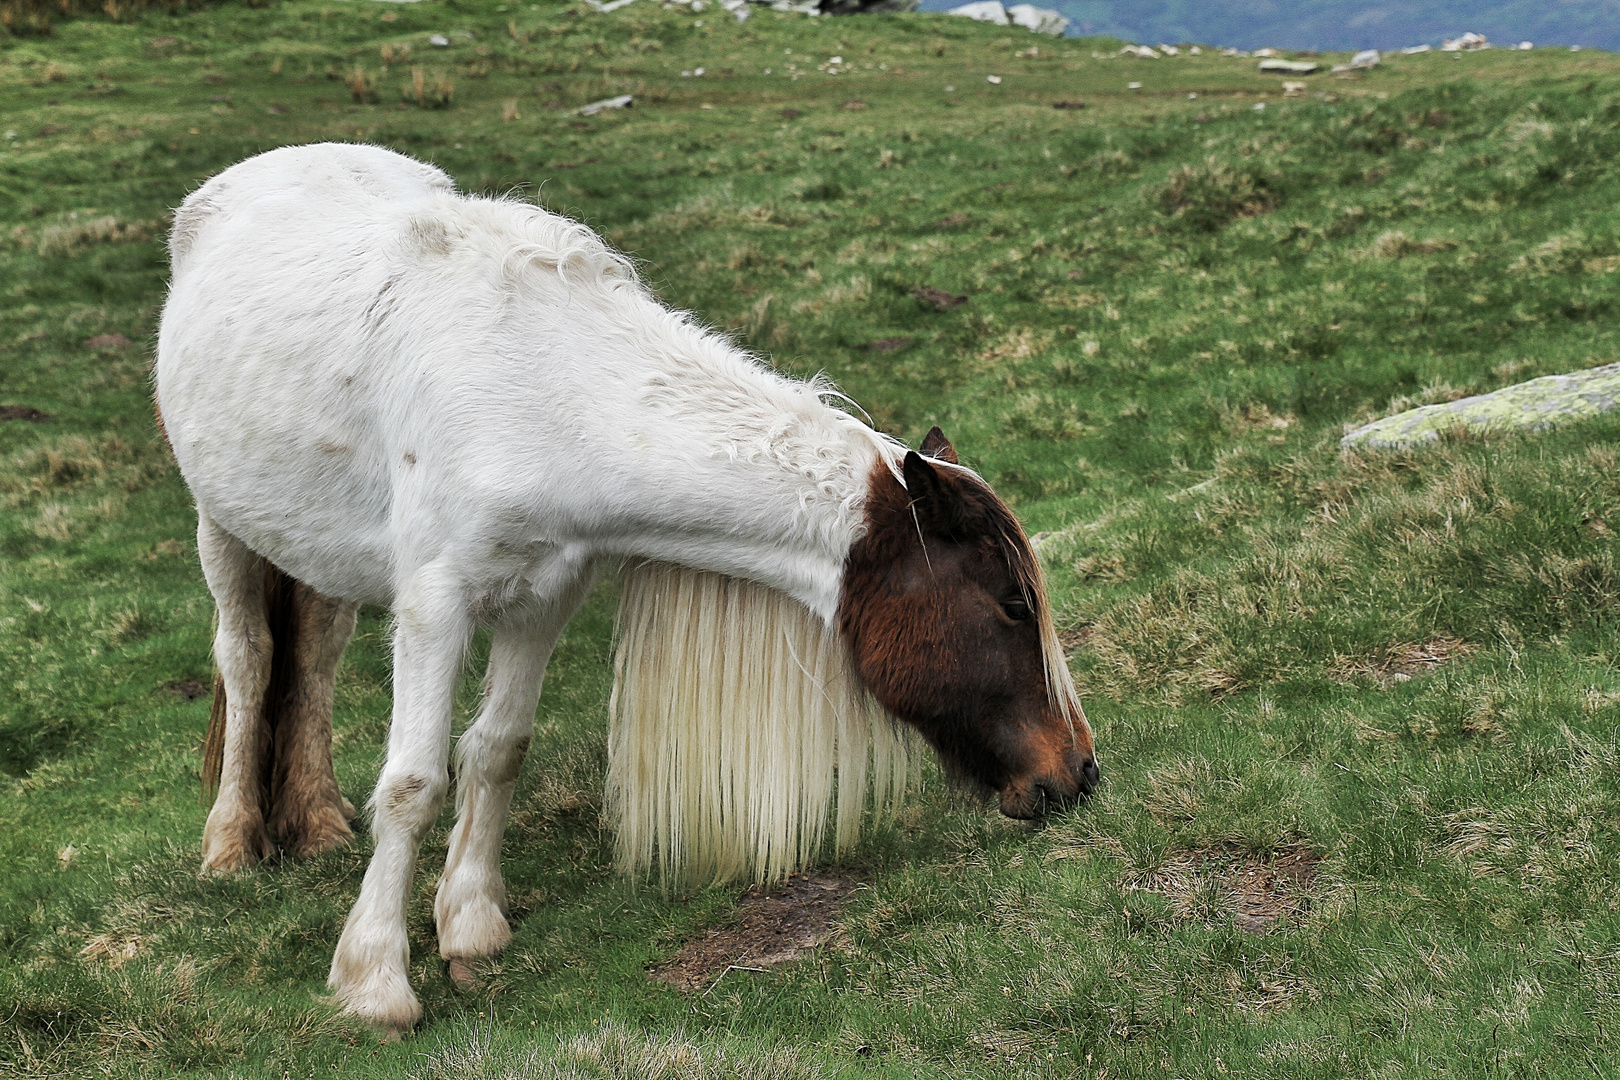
1400	662
107	341
22	412
939	299
187	689
1258	895
773	927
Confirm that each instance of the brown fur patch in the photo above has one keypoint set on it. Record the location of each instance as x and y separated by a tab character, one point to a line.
406	790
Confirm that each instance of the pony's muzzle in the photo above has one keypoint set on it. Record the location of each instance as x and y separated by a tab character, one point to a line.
1057	790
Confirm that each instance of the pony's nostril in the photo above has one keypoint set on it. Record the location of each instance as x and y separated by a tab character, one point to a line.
1089	774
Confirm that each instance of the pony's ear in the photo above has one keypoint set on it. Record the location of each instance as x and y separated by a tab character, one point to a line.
937	446
933	496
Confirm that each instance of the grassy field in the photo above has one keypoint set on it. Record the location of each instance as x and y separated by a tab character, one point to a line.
1356	712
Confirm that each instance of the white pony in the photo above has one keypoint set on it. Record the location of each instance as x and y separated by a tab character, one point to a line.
383	392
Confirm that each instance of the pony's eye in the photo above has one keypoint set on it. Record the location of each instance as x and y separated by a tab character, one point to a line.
1016	610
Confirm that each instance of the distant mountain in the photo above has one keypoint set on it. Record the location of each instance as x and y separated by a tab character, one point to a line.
1339	24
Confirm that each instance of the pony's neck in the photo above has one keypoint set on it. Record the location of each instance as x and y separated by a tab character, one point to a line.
783	475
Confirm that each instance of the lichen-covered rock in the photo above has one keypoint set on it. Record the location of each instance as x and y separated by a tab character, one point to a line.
990	11
1531	405
1038	20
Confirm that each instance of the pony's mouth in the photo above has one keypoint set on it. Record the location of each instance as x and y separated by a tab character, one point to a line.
1031	799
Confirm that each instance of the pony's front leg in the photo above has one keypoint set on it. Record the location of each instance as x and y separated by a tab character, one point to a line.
471	905
369	970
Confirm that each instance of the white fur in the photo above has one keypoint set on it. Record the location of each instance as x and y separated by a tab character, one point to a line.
459	408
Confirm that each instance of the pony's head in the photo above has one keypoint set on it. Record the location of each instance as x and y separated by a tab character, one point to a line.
945	614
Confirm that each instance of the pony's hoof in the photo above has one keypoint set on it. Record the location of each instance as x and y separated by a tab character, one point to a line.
470	923
313	831
231	847
462	974
388	1005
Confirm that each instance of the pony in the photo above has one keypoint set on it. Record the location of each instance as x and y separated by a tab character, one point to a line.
463	409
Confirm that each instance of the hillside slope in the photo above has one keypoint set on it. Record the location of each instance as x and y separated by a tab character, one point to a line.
1356	713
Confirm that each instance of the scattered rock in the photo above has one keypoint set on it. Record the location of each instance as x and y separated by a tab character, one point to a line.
623	101
1038	20
990	11
1068	104
1142	52
188	689
1366	58
1469	42
23	412
772	927
1414	50
939	298
438	41
1288	67
107	341
1292	89
888	344
1532	405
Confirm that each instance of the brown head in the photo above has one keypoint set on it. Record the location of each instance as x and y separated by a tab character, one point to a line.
944	610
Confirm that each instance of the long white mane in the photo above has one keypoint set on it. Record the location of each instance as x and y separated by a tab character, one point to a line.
738	729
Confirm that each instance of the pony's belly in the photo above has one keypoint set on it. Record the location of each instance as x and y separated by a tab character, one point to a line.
293	475
323	534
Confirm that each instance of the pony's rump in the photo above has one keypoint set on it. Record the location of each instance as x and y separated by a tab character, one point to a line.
738	728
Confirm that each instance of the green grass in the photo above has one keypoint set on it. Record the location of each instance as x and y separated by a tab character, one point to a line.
1398	667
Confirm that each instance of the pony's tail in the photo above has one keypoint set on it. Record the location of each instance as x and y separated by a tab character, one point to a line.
281	604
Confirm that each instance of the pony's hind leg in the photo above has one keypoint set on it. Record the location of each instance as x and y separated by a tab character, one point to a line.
370	967
471	904
235	837
308	813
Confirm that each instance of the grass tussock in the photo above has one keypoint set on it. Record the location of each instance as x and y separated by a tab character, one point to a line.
1213	194
429	90
614	1052
73	235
